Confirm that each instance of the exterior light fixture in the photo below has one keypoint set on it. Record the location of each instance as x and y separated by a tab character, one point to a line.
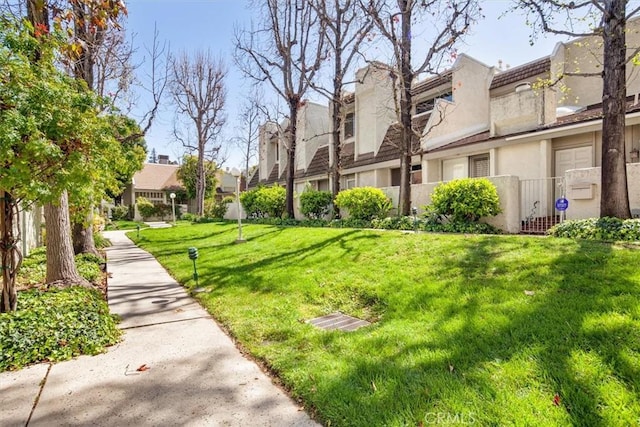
414	212
634	155
236	172
193	255
173	207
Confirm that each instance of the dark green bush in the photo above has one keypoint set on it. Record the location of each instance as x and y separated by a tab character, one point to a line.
162	210
120	213
607	229
350	223
459	227
364	203
189	217
145	207
465	200
315	204
217	209
396	223
55	325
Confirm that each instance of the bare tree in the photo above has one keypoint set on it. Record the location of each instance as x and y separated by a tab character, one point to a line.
199	94
444	24
608	20
285	50
346	29
102	57
248	130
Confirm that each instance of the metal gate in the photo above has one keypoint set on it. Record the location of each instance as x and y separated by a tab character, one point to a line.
538	212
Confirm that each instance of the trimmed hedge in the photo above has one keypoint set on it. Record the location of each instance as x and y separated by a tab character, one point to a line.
607	229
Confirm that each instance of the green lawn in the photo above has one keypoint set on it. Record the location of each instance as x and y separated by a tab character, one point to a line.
455	338
125	225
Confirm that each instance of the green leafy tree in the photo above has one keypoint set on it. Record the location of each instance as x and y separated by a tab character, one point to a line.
49	124
188	174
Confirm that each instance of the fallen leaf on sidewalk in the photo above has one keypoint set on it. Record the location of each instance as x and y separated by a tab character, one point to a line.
143	368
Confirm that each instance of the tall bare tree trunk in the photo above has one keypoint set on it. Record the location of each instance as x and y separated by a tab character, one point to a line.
10	256
406	133
291	154
61	267
201	181
614	200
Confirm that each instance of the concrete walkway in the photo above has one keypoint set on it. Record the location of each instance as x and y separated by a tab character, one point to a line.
197	377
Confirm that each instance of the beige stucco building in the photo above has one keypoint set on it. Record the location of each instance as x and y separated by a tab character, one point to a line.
533	130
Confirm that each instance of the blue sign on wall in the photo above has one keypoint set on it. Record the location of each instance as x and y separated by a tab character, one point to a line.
562	204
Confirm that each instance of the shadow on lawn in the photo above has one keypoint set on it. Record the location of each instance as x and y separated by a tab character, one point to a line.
548	330
249	275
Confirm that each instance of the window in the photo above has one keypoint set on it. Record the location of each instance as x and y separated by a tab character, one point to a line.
349	181
395	177
427	105
479	166
349	122
323	185
416	175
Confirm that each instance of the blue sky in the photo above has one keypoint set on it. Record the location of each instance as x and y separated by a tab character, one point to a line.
209	24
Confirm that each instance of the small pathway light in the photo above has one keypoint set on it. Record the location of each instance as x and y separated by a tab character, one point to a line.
193	255
236	172
173	207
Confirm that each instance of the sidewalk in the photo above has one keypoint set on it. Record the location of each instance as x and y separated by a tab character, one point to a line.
197	377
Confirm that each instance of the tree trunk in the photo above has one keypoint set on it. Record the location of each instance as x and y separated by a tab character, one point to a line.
201	181
614	201
406	132
10	255
82	236
336	124
291	155
61	267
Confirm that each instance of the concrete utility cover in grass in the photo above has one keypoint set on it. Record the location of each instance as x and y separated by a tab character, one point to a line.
338	321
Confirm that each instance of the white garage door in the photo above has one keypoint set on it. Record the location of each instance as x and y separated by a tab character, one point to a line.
573	158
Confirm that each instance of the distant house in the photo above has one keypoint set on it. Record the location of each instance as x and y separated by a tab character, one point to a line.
154	182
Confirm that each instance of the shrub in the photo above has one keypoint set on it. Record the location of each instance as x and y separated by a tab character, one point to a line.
396	223
98	223
217	209
162	210
145	207
249	200
465	200
364	203
315	204
350	223
269	201
55	325
608	229
189	217
272	200
120	213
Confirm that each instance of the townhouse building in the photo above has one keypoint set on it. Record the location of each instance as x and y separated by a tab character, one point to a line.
535	130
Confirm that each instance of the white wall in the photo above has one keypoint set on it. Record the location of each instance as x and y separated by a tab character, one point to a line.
508	188
584	191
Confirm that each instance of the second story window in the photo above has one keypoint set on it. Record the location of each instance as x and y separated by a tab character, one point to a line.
428	104
349	122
